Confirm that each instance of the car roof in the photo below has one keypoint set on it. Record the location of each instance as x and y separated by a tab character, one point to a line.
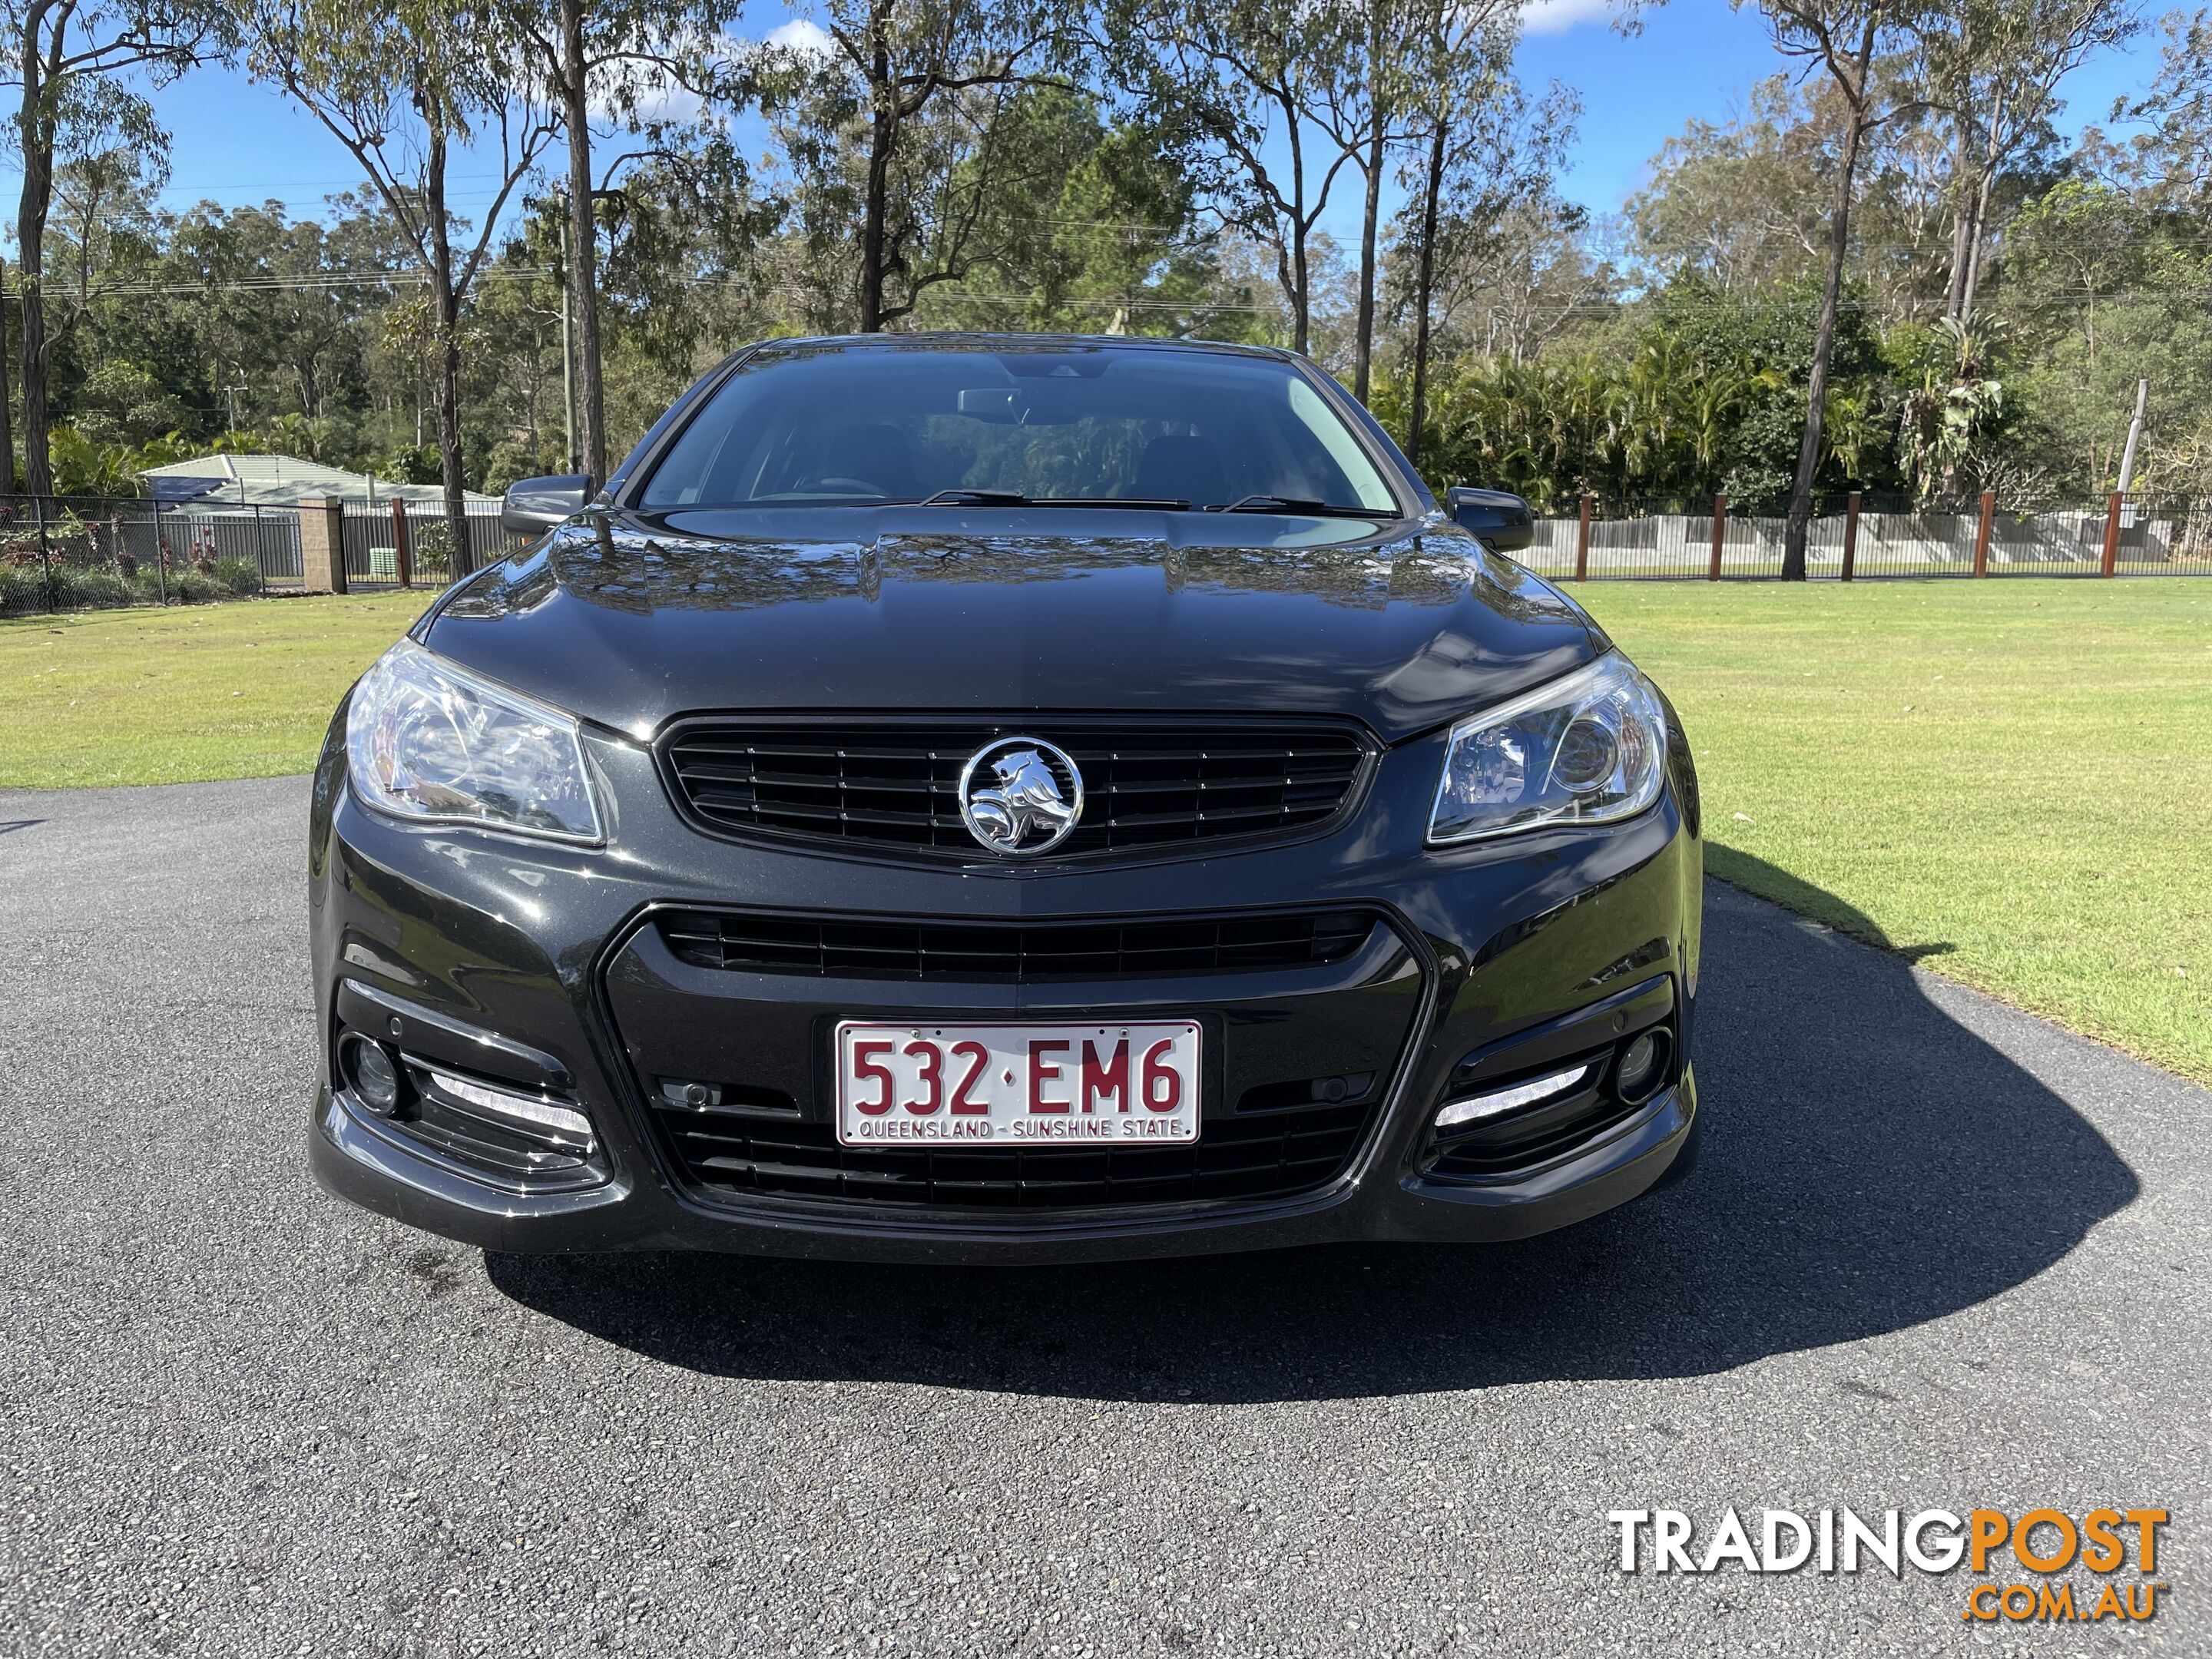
968	340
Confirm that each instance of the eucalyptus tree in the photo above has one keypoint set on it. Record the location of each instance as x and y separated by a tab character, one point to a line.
1741	204
67	61
281	308
1090	222
1838	39
1483	147
404	86
1993	67
1383	67
622	56
890	112
1249	76
2170	157
105	230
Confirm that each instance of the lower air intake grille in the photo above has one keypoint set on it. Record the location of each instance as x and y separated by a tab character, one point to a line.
1017	953
1520	1144
893	785
1247	1156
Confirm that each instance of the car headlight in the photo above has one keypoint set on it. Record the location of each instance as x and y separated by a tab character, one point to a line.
1586	749
428	741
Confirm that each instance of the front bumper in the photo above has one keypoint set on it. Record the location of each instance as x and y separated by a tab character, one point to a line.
546	968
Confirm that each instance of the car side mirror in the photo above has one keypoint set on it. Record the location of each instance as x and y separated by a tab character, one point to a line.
534	504
1500	521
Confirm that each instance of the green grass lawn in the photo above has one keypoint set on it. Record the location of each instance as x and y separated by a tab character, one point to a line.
238	690
2010	780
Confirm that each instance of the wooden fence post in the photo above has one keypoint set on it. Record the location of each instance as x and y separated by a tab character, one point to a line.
2112	564
1850	534
1720	530
403	544
1982	533
1582	543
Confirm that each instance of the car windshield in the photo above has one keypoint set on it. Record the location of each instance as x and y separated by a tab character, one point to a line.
1188	430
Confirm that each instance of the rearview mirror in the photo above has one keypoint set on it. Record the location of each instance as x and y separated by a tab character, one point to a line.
1500	520
1001	405
534	504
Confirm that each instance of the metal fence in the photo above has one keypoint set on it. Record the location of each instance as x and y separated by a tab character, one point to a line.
1861	537
61	552
383	540
71	552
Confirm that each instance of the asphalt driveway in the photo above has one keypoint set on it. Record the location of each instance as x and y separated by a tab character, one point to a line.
1938	1254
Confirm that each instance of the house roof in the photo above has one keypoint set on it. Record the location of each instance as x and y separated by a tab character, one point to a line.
280	481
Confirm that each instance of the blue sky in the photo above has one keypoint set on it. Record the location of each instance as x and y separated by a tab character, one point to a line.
237	143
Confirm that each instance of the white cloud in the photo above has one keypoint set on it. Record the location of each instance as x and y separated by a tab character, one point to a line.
801	35
1557	17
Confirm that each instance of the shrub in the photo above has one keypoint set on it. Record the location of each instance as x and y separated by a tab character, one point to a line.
434	547
96	589
23	588
191	588
239	576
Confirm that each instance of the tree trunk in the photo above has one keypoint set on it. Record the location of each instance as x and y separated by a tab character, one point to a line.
583	244
883	132
1824	336
449	427
1363	360
1425	281
7	418
36	141
1977	233
447	313
1301	295
1961	219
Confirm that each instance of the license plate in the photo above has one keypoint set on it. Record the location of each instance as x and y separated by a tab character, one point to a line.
1030	1085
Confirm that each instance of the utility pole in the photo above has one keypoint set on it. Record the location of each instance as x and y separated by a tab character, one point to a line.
2135	437
231	392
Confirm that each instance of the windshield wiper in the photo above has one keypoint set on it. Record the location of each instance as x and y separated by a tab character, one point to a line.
1309	509
1157	503
1288	504
977	498
1015	498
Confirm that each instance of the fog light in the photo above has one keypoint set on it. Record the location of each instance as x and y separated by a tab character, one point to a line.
683	1091
1638	1074
562	1124
1475	1108
375	1080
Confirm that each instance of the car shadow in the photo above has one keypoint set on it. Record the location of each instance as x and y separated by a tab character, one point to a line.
1869	1163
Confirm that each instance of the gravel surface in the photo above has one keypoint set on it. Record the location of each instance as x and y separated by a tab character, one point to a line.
1938	1254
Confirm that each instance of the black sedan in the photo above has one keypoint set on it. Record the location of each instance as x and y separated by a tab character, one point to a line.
1004	799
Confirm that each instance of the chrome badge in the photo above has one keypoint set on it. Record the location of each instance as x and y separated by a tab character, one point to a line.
1020	796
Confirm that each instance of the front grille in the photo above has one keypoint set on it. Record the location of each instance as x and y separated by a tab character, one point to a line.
889	784
1013	953
1247	1156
